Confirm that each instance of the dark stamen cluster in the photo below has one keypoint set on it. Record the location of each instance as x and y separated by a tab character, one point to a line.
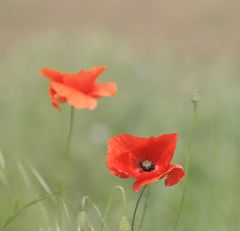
147	165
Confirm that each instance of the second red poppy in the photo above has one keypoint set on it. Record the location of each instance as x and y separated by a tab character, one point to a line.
78	90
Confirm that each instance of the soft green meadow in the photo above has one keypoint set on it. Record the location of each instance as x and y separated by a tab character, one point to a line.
154	97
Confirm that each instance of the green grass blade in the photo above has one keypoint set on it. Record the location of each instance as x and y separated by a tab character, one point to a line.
2	160
42	197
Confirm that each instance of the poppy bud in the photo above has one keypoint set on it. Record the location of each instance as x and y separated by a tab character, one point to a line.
195	98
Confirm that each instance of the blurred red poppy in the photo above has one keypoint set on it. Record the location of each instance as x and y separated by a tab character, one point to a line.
145	159
78	90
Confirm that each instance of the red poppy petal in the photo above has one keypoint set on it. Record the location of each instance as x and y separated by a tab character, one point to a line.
60	98
123	164
104	89
52	74
83	80
174	175
55	105
158	149
116	167
95	72
123	143
74	97
118	173
52	94
119	156
146	180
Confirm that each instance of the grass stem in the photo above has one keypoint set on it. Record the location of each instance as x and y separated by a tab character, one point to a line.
195	99
110	202
42	197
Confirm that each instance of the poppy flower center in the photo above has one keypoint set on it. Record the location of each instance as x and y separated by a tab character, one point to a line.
147	165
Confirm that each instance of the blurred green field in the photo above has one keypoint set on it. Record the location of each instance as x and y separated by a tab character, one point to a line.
154	91
158	53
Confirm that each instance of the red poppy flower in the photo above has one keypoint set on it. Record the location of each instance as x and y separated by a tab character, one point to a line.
79	89
145	159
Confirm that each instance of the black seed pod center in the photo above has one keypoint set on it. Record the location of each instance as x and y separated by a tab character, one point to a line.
147	165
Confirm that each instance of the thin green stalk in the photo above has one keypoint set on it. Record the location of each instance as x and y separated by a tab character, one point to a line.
66	154
136	208
69	133
66	163
195	99
145	207
26	206
110	202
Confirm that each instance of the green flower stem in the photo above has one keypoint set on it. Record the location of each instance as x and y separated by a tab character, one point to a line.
145	207
136	207
69	133
195	99
66	164
66	154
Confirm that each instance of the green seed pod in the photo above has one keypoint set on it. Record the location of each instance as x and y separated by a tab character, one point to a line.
195	97
124	224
